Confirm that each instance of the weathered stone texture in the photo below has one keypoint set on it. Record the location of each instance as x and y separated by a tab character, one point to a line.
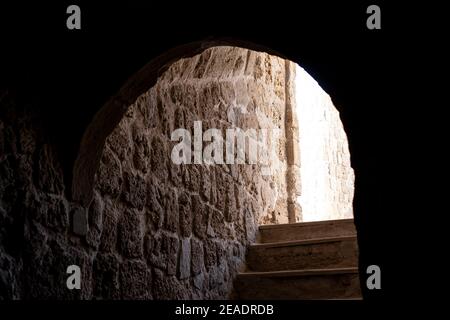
36	239
193	213
153	229
135	280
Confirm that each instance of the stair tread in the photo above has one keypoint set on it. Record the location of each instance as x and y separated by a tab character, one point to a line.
301	242
319	259
303	224
296	273
344	299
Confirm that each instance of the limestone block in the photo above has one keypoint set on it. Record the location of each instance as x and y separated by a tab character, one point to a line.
130	233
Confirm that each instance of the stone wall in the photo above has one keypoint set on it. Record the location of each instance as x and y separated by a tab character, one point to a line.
36	244
327	177
155	229
186	227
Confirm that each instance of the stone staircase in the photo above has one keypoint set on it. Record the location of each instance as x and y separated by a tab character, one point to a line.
312	260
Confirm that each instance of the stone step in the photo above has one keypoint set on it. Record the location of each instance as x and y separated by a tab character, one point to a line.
306	230
318	284
338	252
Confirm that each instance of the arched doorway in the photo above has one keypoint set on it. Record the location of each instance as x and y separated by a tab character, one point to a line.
327	178
189	223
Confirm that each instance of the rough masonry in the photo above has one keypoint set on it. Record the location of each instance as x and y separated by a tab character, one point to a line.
153	229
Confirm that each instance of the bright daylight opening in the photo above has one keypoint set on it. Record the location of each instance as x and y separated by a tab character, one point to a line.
327	179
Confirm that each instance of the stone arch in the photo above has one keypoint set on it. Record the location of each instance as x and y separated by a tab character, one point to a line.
189	223
110	114
114	109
